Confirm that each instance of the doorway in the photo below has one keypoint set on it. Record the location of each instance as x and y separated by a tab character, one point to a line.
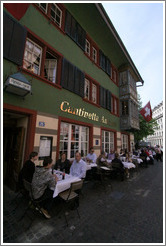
14	139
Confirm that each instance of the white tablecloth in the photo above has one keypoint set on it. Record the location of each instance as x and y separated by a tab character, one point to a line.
105	168
128	165
89	166
63	185
138	159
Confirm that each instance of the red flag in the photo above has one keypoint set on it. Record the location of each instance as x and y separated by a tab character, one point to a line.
147	112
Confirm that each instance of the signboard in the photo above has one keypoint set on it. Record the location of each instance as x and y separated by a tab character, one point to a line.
41	123
45	148
20	84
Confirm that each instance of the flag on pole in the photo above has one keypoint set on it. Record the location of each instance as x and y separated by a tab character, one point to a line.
146	112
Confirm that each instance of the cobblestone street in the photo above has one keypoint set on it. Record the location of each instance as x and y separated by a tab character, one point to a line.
131	212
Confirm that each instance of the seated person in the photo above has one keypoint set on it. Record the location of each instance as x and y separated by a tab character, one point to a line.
91	157
143	156
111	155
101	160
43	185
128	158
63	163
78	167
117	165
28	169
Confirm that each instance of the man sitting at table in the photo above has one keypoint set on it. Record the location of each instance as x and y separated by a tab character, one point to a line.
78	167
117	165
111	155
91	157
63	163
42	184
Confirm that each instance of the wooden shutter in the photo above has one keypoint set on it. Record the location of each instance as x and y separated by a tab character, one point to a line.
65	71
108	67
8	24
71	75
108	100
79	82
68	23
103	97
102	60
15	41
81	36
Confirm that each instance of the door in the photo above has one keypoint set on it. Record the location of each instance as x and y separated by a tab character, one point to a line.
13	153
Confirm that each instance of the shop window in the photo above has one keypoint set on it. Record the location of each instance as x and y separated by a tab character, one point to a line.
87	89
32	57
56	14
43	7
125	143
87	47
108	140
50	70
74	138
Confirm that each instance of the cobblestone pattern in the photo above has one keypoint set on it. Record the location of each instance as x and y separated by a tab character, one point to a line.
131	212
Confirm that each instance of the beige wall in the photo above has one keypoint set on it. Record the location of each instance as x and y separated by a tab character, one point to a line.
49	130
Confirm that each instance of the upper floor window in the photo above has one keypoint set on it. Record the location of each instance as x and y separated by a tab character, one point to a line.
42	60
50	70
32	57
87	89
94	54
87	47
91	90
56	14
125	108
43	6
94	93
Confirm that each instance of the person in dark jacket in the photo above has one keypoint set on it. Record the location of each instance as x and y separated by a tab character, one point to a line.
28	169
117	165
63	163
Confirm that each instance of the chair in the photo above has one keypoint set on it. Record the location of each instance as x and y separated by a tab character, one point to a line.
144	163
71	196
118	170
34	204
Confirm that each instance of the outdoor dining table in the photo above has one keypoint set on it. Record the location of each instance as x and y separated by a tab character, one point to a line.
139	160
63	184
128	165
90	165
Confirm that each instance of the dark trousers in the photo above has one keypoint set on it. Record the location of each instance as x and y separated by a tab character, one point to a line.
47	199
158	156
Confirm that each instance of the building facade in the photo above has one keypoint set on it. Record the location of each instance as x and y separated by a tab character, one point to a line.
69	83
157	137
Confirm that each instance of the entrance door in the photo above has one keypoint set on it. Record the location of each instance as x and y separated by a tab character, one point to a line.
13	153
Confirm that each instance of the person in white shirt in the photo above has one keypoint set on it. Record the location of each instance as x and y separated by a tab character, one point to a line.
91	157
78	167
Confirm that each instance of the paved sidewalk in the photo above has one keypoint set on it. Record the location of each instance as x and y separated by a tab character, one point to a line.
130	213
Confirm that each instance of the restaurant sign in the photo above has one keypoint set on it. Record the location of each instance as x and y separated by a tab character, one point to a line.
81	112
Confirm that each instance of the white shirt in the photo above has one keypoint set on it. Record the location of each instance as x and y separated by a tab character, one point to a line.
92	157
78	169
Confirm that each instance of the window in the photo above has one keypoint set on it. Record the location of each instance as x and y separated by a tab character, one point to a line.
94	93
124	107
124	139
32	57
74	138
94	54
91	90
87	89
43	6
56	14
87	47
107	141
50	67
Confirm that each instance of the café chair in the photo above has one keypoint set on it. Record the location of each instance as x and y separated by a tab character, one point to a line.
33	204
144	163
71	195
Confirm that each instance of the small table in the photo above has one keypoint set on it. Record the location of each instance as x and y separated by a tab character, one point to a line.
128	165
90	165
64	184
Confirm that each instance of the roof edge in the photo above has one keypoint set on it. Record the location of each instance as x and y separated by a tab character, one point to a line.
107	20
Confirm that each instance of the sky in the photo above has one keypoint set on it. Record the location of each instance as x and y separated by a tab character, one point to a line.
140	26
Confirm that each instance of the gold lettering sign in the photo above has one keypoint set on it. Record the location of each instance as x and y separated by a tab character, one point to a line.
81	112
